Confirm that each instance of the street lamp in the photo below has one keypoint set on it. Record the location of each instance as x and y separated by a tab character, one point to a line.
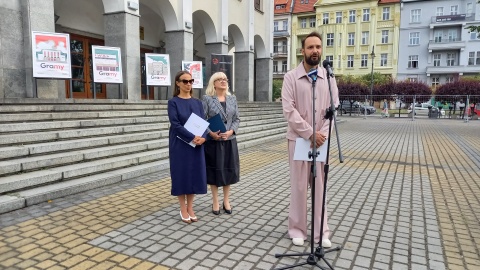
371	83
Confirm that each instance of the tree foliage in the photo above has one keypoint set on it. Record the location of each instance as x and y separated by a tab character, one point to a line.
346	88
462	87
276	89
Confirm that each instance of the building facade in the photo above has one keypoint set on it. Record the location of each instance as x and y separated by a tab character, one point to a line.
303	23
435	46
184	29
282	26
355	33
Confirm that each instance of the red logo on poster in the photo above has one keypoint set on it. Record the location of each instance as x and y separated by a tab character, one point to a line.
215	61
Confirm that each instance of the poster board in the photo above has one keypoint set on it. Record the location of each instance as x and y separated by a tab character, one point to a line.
195	68
107	64
51	55
157	69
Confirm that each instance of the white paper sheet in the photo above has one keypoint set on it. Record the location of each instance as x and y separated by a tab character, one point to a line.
196	125
302	147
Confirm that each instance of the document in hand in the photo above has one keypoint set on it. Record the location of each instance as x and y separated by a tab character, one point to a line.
216	124
302	147
195	125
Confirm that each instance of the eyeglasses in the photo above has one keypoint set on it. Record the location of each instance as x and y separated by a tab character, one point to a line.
222	80
188	81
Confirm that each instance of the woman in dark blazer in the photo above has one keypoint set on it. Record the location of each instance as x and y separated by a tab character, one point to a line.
221	151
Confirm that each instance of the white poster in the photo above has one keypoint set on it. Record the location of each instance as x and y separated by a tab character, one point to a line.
157	69
107	64
195	68
51	55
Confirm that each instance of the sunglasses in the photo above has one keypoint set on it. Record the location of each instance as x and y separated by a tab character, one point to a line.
222	80
187	81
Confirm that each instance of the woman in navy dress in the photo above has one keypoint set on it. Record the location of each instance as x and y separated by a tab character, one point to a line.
187	163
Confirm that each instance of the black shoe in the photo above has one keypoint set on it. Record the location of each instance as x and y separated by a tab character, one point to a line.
228	211
215	212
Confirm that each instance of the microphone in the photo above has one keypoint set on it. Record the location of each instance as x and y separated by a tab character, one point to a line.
328	66
313	74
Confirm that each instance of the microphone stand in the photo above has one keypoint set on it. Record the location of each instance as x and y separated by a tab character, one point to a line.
313	257
330	115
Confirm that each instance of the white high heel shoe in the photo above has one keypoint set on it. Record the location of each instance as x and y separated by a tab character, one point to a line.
186	220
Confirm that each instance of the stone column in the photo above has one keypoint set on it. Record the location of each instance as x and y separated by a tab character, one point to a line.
215	48
179	45
243	87
263	79
122	30
37	16
12	73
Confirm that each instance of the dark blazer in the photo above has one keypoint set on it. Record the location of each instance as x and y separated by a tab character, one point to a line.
212	107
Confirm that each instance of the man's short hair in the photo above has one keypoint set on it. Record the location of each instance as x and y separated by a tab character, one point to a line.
312	34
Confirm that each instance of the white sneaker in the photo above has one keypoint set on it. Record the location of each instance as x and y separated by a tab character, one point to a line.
297	241
326	243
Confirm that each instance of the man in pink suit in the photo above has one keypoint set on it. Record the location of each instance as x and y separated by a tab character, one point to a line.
297	109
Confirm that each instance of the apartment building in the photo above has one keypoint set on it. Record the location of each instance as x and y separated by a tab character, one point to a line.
435	46
304	21
282	37
359	33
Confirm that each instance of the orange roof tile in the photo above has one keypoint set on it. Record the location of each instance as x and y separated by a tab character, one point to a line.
287	4
300	7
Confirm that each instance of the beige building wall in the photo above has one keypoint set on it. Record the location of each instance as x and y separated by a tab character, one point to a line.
299	32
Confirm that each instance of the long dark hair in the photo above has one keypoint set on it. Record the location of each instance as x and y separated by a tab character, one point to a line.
176	90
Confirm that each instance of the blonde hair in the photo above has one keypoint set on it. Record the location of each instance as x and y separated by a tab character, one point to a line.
210	91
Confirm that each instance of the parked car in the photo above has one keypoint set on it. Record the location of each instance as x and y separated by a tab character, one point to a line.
347	107
421	108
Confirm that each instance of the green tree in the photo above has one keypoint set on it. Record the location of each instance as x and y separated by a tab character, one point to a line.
276	89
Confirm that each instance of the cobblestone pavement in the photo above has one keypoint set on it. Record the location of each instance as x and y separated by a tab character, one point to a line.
406	197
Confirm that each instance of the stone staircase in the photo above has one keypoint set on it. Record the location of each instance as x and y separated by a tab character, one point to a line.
53	149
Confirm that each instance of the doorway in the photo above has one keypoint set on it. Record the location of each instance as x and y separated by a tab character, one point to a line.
82	70
143	71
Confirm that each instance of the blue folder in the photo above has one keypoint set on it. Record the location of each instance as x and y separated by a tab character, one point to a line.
216	124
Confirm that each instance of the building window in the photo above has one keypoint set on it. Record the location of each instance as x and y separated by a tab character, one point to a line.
303	23
413	61
350	61
275	66
285	25
284	66
435	81
330	59
351	39
474	60
436	59
415	38
452	35
415	15
412	79
364	62
474	35
450	79
365	37
469	8
439	11
351	16
451	59
386	13
366	14
454	10
384	36
383	59
338	18
330	39
312	22
325	18
280	6
275	26
258	5
437	35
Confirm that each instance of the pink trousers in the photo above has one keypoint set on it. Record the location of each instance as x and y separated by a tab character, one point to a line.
300	177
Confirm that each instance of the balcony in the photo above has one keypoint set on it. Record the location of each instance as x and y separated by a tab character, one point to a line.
445	69
281	33
280	54
449	44
451	19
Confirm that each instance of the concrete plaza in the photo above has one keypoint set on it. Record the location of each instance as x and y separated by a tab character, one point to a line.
406	197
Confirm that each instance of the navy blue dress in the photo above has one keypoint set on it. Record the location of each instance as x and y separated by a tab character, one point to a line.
187	163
